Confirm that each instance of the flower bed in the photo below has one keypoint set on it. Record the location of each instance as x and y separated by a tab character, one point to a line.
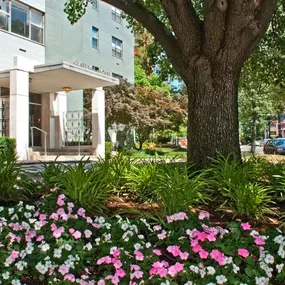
56	242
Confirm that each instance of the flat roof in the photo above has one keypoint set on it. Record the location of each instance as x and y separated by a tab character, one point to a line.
51	78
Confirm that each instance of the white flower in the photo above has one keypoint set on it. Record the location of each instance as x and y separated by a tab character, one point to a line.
45	247
42	268
165	283
194	268
279	239
269	259
68	247
221	279
211	283
281	252
261	281
140	236
188	283
6	275
88	246
27	215
21	265
279	267
101	220
124	226
16	282
211	270
1	209
137	246
11	211
235	268
148	245
57	253
254	233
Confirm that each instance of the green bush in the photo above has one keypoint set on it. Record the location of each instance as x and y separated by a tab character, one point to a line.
140	180
178	188
236	188
89	188
7	147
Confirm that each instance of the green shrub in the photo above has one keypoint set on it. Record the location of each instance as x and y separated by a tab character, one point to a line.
178	188
89	188
140	180
235	188
7	147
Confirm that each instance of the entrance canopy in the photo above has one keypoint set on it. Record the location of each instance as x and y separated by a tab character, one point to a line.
51	78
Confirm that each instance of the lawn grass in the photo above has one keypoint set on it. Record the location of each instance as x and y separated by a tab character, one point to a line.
161	152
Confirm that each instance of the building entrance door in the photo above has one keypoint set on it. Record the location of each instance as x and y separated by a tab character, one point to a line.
35	118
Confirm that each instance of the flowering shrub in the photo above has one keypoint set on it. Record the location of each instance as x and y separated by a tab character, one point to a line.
58	243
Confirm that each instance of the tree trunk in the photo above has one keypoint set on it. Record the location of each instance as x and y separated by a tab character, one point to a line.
253	129
213	113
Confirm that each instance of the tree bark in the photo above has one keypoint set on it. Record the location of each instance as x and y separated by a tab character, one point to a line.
213	113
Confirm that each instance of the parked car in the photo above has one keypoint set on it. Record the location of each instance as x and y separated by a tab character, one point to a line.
275	146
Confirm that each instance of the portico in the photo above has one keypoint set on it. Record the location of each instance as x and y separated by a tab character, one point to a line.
48	103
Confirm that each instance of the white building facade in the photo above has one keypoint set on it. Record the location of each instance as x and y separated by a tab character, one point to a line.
46	63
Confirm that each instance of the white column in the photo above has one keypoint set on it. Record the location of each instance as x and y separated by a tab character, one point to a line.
98	121
60	105
19	105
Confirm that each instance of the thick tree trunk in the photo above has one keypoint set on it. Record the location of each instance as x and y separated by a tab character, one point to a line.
213	113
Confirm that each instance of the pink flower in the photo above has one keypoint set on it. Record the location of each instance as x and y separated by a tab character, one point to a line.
81	212
43	217
203	215
101	282
63	269
162	235
134	267
60	202
196	248
157	252
87	233
184	255
69	277
218	256
120	272
77	235
174	269
175	250
259	240
245	226
104	259
57	233
117	253
139	255
14	255
71	231
203	254
243	252
117	263
157	228
40	238
137	274
54	216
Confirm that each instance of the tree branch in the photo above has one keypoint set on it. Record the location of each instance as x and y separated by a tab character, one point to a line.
163	35
185	24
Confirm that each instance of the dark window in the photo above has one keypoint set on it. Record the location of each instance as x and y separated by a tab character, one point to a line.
4	15
95	37
36	26
20	20
117	15
117	47
118	76
95	4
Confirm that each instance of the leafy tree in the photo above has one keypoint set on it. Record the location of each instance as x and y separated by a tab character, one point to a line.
207	43
144	109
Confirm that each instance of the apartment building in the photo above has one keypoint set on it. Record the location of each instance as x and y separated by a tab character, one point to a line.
46	63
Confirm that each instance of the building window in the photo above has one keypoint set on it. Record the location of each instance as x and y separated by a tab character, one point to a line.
95	4
36	26
22	20
117	15
117	76
117	47
4	15
95	37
